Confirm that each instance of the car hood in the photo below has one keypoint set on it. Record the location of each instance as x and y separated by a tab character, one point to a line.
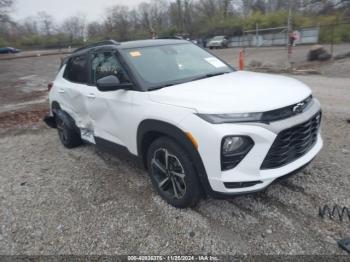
237	92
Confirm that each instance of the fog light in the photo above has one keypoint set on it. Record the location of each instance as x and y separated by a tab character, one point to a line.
233	150
231	144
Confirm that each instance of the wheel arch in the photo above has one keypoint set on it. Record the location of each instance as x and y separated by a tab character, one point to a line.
55	106
151	129
57	111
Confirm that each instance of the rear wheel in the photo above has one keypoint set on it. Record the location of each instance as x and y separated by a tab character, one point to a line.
68	135
172	173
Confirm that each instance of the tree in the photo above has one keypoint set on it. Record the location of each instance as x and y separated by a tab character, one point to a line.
95	31
46	24
30	26
196	18
5	6
117	22
75	27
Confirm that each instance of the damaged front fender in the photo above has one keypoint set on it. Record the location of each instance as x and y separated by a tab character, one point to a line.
67	119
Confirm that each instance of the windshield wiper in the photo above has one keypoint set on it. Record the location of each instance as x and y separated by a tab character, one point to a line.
193	79
209	75
159	87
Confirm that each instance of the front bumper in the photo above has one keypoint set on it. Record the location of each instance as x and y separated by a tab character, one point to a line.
249	169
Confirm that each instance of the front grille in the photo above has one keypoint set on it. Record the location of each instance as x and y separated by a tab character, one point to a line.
292	143
288	111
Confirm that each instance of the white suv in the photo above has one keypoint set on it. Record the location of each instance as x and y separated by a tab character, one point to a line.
199	126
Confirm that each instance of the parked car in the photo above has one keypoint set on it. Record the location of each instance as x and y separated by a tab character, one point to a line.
9	50
218	42
199	126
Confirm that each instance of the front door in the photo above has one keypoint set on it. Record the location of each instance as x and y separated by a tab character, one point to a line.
109	111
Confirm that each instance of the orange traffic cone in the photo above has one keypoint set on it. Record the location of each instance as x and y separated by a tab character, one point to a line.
241	59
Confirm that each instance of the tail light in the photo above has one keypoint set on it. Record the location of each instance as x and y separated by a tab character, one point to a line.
49	86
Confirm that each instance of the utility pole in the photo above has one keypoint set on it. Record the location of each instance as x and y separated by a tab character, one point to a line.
257	34
289	25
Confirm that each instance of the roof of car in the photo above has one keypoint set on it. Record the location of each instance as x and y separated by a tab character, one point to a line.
150	42
123	45
127	45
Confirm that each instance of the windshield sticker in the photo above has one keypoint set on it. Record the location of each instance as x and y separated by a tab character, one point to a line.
135	54
215	62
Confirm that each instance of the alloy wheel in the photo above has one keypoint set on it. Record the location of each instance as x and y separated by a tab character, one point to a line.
169	173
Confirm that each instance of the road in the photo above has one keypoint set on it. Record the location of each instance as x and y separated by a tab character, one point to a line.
83	201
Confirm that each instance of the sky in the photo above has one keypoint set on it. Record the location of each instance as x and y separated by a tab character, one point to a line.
61	9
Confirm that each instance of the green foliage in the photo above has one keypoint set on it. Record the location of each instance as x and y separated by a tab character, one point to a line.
339	34
168	31
204	26
2	42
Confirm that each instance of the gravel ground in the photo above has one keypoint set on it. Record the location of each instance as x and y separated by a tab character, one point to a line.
83	201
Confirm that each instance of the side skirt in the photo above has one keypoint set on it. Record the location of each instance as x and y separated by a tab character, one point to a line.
118	150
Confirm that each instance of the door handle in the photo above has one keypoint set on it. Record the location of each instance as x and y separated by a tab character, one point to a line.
92	96
61	90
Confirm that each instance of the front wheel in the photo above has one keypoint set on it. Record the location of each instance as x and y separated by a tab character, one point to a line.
172	173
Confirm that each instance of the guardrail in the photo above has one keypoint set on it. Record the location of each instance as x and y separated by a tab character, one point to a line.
33	54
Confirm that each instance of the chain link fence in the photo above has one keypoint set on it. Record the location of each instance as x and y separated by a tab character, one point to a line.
274	47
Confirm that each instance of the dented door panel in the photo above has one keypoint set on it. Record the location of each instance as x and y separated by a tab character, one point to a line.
109	113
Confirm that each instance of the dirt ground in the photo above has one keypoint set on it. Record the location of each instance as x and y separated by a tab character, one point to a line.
83	201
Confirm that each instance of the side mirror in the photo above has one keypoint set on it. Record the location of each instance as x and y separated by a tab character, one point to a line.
111	83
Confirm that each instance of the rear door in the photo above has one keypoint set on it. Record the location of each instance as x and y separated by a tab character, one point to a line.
72	89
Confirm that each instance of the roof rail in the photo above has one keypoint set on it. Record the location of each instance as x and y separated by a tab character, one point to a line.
106	42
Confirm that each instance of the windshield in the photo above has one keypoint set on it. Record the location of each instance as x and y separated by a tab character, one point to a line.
160	66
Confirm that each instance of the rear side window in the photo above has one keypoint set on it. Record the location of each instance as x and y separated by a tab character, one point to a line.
76	70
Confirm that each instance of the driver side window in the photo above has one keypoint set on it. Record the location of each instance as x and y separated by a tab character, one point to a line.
106	64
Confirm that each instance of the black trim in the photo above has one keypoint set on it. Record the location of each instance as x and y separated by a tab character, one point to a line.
286	112
293	143
221	195
236	185
231	160
116	150
152	129
102	43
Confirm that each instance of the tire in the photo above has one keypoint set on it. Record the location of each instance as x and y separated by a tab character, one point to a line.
67	131
177	182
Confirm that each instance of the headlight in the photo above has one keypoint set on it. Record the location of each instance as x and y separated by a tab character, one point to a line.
264	117
233	150
231	118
